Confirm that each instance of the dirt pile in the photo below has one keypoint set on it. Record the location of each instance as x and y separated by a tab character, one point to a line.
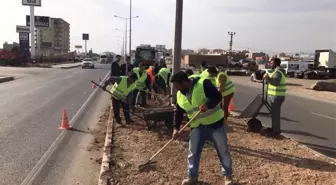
256	160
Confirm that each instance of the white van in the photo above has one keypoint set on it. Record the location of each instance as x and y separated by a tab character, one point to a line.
294	66
103	59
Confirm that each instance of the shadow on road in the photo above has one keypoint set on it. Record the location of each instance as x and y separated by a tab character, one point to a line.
268	115
296	132
325	150
293	84
78	130
288	159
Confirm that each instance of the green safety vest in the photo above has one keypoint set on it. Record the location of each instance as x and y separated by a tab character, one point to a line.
192	107
279	90
140	82
229	86
194	76
205	74
120	91
163	73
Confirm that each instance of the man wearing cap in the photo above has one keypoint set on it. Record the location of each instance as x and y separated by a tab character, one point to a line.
194	95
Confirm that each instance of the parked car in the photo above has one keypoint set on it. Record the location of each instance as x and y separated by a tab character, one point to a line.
257	76
313	74
88	63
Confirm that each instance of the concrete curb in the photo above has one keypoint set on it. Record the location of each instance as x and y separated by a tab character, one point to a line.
6	79
106	160
331	160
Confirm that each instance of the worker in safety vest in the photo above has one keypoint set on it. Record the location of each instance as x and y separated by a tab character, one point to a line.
199	94
276	93
225	87
142	84
121	95
203	66
162	79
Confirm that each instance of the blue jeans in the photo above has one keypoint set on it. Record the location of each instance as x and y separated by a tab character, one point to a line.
196	142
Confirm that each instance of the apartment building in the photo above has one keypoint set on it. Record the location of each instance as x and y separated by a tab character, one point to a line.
53	40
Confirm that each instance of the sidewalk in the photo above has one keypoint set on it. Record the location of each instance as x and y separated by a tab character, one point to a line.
256	160
67	66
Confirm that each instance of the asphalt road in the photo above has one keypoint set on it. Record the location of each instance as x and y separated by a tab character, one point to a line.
308	121
30	114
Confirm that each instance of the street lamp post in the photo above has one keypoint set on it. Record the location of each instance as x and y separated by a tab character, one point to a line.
126	19
177	43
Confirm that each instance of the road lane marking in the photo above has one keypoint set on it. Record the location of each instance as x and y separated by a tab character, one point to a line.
324	116
33	174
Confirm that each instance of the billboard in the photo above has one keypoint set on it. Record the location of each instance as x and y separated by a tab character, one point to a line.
85	36
22	29
31	2
24	42
40	21
78	46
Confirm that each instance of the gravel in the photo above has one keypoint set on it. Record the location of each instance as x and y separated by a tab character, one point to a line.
256	160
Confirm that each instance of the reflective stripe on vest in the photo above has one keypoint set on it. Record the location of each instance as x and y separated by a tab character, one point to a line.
279	90
229	86
120	91
140	82
197	99
163	73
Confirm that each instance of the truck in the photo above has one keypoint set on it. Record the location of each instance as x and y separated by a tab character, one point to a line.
325	58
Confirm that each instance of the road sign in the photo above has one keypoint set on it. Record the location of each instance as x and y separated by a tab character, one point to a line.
22	29
24	42
78	46
31	2
40	21
85	36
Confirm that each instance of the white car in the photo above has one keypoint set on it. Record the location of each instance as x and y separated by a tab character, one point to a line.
88	63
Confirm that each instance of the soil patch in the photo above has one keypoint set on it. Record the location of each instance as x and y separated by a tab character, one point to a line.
99	133
256	160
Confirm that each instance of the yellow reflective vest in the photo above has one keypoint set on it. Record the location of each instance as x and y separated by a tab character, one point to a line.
229	86
279	90
192	107
163	73
140	82
121	90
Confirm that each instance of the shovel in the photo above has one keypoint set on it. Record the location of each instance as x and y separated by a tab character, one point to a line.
159	151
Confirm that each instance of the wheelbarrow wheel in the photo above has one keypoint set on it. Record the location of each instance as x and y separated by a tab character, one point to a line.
254	125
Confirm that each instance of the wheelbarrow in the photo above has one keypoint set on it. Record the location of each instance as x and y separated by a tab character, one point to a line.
253	109
155	114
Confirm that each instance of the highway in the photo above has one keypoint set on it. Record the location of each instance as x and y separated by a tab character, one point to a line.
308	121
31	110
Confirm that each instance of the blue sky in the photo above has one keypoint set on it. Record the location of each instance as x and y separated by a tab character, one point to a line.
261	25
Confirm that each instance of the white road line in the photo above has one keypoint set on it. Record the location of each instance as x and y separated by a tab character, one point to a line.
324	116
33	174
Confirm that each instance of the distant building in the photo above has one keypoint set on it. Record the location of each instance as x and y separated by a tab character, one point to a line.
55	39
9	47
253	56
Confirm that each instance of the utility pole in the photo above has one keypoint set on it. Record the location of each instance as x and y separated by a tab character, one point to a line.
230	52
130	33
177	43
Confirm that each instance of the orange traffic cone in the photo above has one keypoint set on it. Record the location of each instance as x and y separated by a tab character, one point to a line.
231	106
94	86
65	122
100	78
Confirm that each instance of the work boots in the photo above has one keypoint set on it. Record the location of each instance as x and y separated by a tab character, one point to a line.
228	180
189	181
